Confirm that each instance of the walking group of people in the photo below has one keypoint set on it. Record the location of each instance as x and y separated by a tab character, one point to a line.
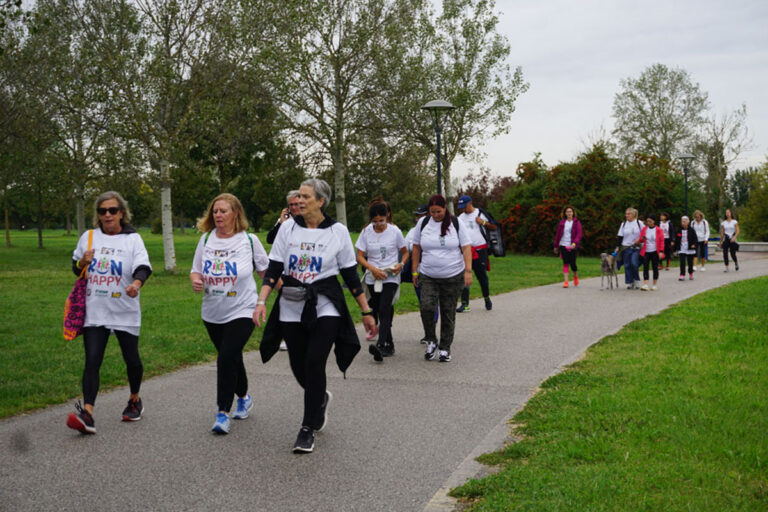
310	315
652	244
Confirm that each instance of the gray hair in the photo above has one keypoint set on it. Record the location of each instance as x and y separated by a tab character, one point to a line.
121	203
290	195
321	188
685	217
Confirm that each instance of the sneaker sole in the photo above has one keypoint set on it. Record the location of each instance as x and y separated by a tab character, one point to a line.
325	418
297	449
235	416
429	357
376	353
76	423
128	418
445	360
219	431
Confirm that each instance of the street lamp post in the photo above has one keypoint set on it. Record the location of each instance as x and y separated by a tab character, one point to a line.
435	108
686	158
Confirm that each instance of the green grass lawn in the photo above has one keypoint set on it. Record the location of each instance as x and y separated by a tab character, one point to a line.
38	367
670	414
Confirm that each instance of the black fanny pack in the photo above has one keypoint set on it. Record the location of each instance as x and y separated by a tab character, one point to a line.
294	293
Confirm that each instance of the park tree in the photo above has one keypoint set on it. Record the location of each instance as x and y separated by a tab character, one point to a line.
659	113
754	215
148	50
459	56
322	72
722	141
740	184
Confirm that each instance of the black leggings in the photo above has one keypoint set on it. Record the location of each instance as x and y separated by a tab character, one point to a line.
95	343
668	250
308	352
383	310
479	266
727	245
230	339
653	258
683	259
569	258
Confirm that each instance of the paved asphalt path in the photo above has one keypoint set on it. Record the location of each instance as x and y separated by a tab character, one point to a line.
399	434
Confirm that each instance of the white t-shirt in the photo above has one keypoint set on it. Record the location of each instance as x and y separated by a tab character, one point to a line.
115	259
311	255
729	227
227	267
472	227
664	225
441	256
382	249
650	239
565	240
684	247
630	231
702	229
409	236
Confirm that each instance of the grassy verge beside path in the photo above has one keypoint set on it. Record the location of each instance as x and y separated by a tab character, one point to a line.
671	413
38	368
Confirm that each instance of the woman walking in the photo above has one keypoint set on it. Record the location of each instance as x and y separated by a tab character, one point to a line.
729	231
382	251
309	252
701	226
651	242
567	241
685	245
442	265
629	231
669	232
225	261
118	266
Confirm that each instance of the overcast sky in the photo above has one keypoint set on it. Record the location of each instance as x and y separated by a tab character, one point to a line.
574	53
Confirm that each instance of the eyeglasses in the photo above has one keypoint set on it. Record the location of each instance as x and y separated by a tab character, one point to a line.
291	205
112	210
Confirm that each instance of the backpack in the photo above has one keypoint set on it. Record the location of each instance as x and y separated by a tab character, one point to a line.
494	237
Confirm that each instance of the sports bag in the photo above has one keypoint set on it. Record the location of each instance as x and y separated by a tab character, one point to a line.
74	307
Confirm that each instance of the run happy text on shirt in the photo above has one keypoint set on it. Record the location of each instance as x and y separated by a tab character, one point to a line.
302	265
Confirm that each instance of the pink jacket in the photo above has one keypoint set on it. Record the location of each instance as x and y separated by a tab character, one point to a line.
659	240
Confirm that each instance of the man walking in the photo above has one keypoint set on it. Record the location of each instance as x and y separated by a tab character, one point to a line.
476	223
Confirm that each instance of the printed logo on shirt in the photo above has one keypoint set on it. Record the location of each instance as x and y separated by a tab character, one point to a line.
219	272
105	271
304	267
442	241
307	246
116	295
383	252
232	294
107	251
101	293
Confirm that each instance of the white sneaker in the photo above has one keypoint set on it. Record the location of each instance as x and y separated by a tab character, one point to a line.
644	288
431	351
703	269
283	345
695	268
655	288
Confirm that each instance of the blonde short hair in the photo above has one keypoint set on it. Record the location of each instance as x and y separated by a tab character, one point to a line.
206	224
633	211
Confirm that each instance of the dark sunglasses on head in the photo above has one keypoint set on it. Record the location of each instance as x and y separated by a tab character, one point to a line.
112	210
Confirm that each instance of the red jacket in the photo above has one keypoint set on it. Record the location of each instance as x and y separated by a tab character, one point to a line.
659	240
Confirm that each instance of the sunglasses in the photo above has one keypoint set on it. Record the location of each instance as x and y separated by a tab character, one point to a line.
112	210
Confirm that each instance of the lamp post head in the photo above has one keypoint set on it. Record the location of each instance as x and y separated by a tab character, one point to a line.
685	158
435	108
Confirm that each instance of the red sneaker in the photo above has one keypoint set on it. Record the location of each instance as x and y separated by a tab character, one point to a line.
575	281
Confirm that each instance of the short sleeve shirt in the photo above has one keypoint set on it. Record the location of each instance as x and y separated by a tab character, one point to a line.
630	231
472	227
309	255
729	227
441	256
381	249
115	259
227	266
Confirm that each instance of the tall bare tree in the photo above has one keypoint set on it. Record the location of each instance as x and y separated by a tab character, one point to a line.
659	113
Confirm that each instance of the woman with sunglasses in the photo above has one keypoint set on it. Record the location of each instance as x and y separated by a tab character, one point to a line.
118	266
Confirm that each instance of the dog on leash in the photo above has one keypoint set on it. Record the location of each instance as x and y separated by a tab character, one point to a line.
608	269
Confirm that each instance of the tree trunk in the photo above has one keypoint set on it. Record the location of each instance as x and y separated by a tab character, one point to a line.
7	224
80	213
39	219
68	222
166	216
339	175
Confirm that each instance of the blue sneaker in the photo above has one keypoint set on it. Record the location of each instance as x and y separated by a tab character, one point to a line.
243	406
221	426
